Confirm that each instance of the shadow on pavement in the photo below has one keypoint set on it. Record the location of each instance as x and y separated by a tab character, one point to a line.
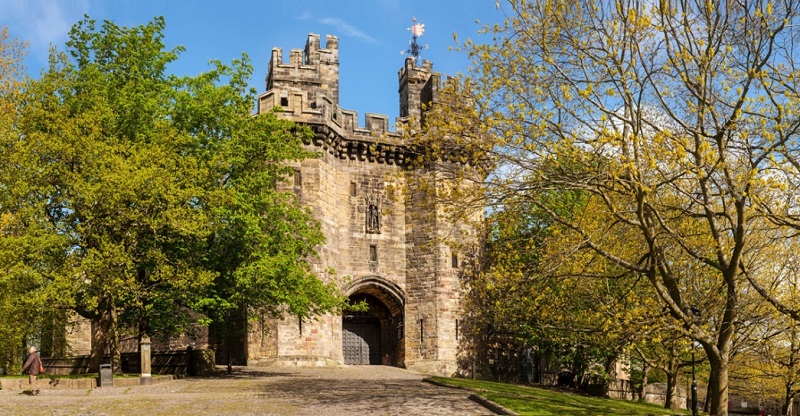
221	372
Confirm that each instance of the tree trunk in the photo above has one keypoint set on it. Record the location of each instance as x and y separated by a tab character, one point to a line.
113	340
707	402
643	386
787	400
671	370
671	400
611	379
718	384
228	353
99	333
104	334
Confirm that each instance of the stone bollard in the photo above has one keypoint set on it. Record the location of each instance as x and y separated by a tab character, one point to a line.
144	348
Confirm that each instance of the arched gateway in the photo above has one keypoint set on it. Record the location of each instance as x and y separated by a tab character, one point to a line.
389	243
374	336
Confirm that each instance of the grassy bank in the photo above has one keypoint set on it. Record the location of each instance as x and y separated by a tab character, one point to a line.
527	400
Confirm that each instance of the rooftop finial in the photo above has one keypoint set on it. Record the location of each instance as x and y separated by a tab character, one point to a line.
414	48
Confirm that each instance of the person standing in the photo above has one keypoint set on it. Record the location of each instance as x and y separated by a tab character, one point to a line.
34	366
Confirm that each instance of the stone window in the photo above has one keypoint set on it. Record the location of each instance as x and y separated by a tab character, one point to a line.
298	178
373	253
454	260
353	189
284	101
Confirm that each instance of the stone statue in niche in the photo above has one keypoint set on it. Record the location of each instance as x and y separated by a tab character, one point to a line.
373	214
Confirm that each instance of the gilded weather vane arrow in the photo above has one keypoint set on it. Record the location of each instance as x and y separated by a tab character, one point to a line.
414	48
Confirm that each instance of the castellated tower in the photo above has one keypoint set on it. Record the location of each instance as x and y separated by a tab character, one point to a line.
417	87
387	244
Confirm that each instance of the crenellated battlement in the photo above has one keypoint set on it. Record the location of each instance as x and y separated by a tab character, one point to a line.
311	55
306	90
418	86
298	106
313	69
338	130
410	70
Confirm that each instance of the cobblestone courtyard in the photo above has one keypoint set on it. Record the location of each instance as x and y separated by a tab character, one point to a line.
352	390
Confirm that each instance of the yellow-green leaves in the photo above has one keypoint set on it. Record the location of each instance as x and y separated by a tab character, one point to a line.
678	120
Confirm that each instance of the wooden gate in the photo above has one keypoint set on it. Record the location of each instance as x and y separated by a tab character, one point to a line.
361	340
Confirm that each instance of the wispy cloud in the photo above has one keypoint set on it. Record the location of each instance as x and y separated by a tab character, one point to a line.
41	22
347	29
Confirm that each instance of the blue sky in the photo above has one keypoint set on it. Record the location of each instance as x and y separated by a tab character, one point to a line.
371	34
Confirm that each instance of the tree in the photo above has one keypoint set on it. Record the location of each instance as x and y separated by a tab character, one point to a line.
526	295
18	284
678	118
156	193
770	366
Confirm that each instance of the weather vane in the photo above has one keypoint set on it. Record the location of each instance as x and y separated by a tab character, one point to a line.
414	48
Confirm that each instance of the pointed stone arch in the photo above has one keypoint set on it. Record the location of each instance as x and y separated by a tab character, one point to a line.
374	336
390	293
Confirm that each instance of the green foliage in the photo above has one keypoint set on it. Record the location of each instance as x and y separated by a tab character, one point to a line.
144	195
678	120
576	315
19	300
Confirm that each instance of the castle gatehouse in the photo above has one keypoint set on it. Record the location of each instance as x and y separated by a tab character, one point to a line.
392	253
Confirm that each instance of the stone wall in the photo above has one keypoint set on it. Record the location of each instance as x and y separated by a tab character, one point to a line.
181	363
656	393
79	335
57	383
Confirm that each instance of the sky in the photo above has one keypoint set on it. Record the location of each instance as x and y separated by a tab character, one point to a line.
372	34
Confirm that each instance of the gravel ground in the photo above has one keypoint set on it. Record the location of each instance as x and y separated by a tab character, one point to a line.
349	390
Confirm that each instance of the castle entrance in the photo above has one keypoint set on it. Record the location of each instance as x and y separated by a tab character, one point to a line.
373	336
361	339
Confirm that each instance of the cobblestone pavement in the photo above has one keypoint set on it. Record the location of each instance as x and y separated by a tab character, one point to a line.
350	390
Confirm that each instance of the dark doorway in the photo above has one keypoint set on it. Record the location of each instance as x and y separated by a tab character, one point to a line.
371	337
361	340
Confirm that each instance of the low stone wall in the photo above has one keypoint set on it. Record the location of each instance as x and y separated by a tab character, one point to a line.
55	383
657	394
181	363
623	389
66	366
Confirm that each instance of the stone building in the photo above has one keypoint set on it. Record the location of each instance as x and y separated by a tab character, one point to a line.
392	253
391	250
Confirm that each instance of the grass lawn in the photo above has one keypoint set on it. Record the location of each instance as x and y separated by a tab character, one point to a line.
538	401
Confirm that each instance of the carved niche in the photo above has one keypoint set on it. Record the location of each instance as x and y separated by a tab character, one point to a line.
373	217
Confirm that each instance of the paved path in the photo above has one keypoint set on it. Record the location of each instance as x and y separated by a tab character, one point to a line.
350	390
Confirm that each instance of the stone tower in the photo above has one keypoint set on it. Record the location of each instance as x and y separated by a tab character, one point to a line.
391	251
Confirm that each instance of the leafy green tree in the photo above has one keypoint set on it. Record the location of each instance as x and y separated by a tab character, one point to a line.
19	285
157	193
525	293
679	121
